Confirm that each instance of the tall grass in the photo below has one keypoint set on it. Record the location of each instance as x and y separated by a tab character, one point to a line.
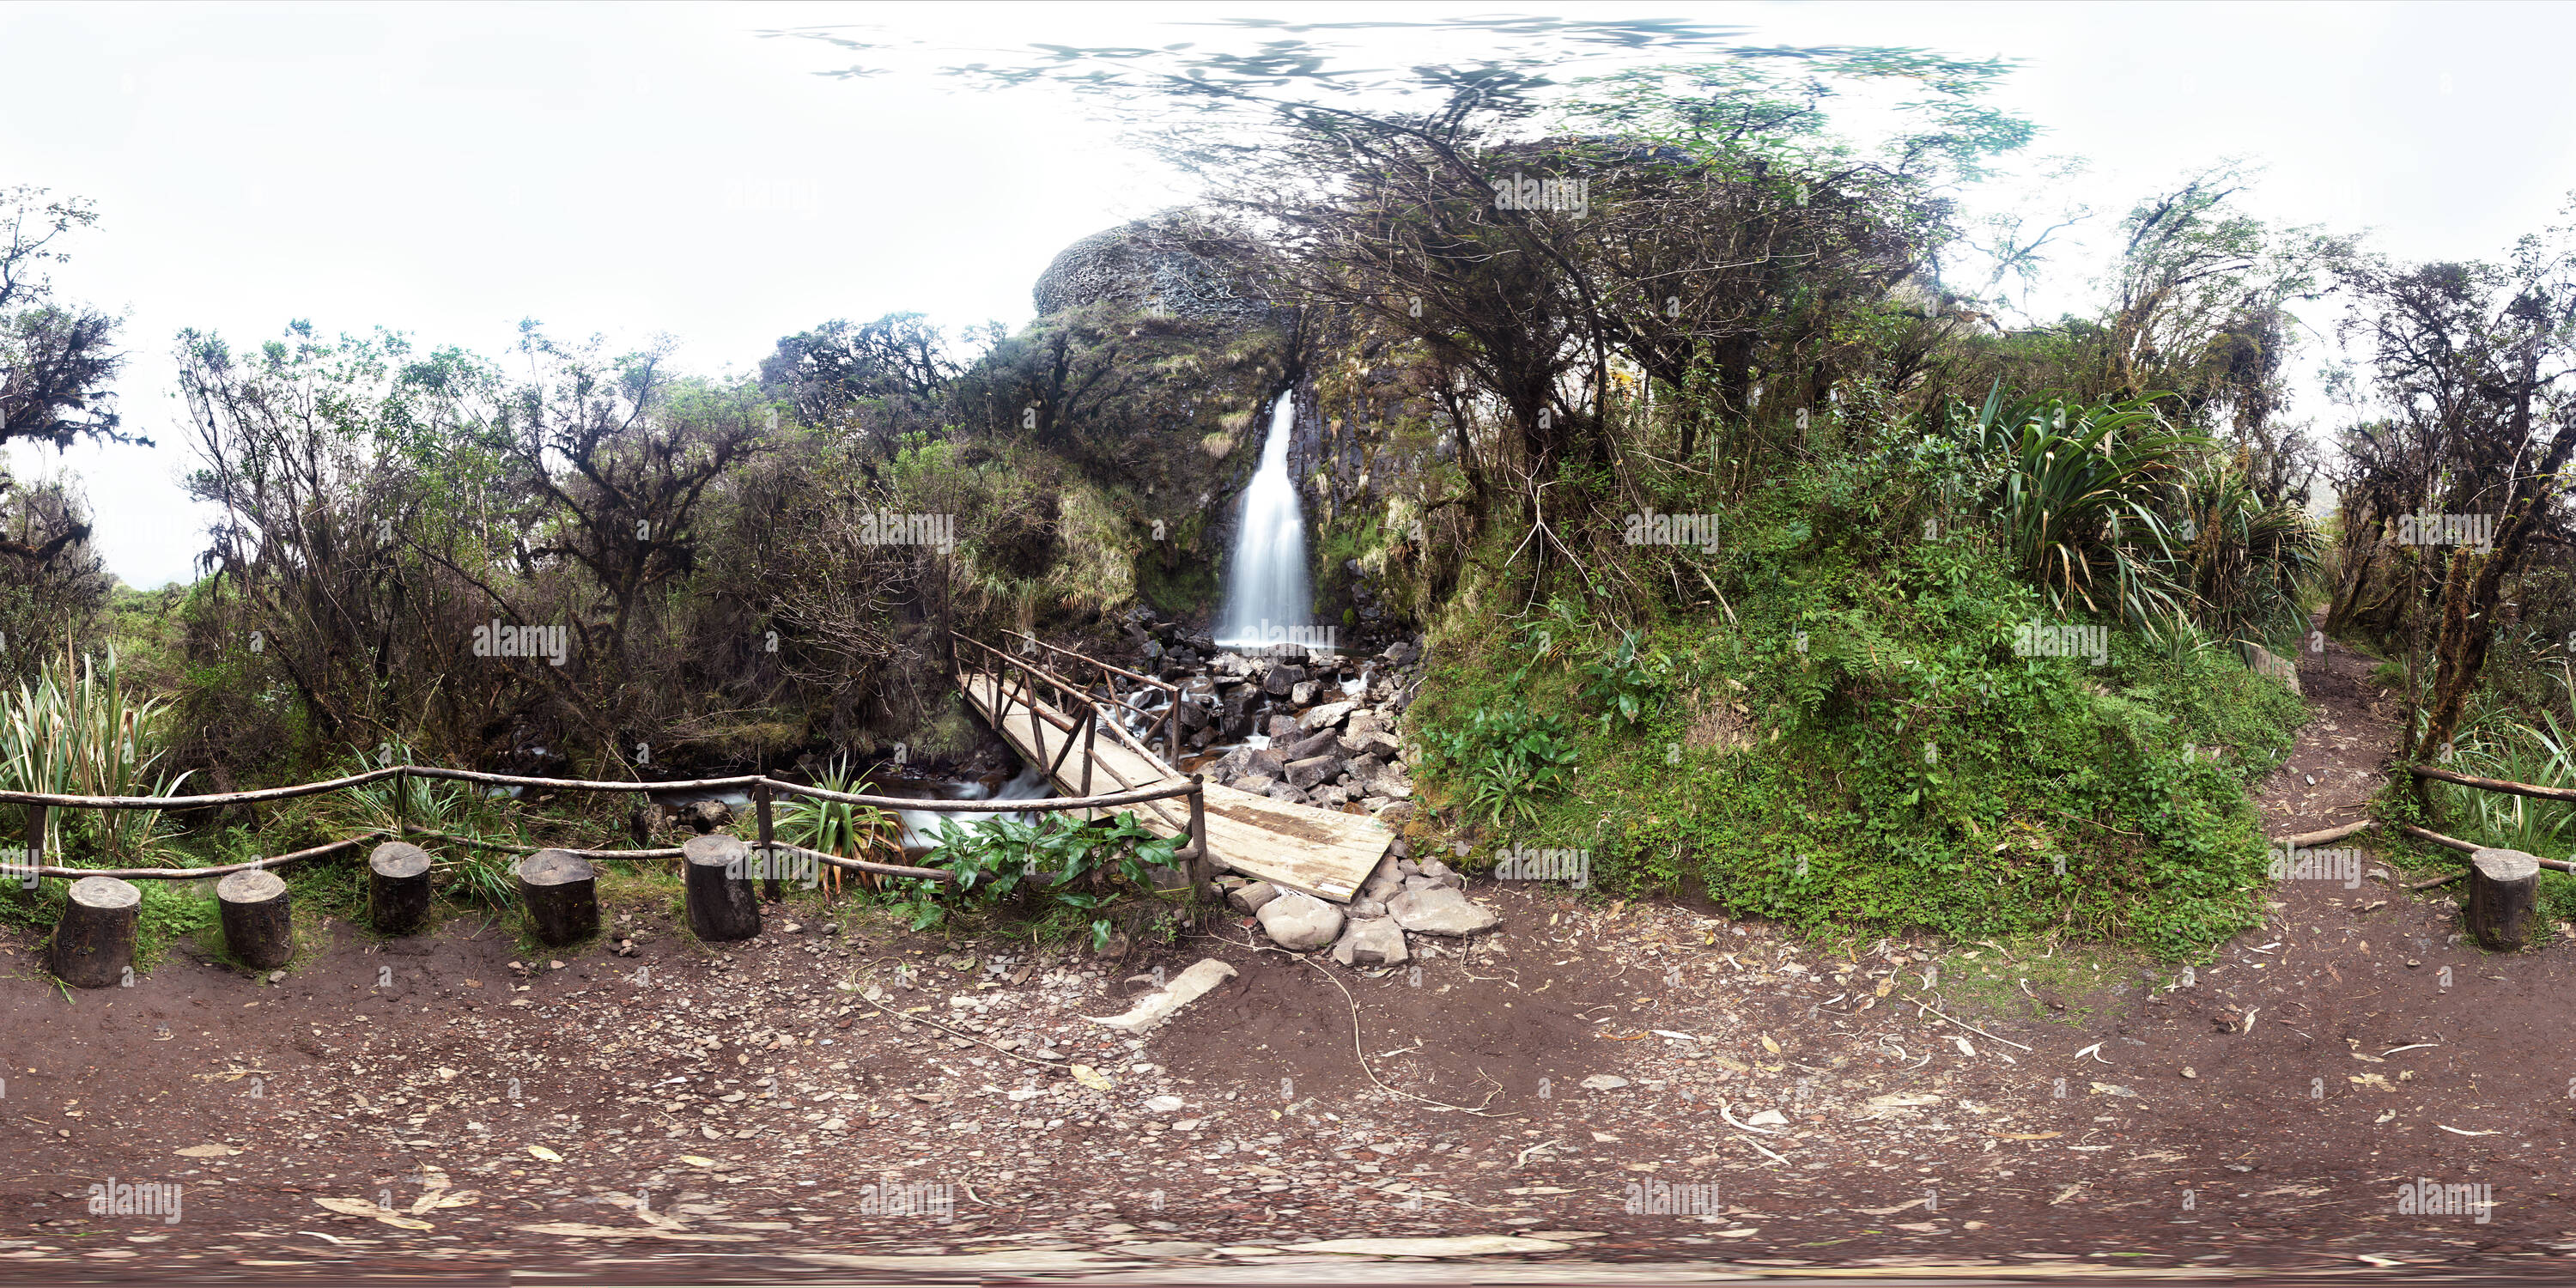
2542	754
77	729
2078	493
836	827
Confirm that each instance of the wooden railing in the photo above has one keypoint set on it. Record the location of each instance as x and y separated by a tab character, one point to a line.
1106	676
763	791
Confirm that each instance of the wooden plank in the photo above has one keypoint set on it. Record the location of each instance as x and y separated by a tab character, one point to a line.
1298	847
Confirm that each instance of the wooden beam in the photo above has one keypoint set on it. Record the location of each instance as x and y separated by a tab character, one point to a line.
2494	784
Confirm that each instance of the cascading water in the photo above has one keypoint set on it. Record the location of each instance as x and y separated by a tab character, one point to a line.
1266	595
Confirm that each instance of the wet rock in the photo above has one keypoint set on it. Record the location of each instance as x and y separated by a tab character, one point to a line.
1441	911
1298	921
1313	770
1283	679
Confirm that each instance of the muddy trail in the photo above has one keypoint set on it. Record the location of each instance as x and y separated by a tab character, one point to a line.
1638	1089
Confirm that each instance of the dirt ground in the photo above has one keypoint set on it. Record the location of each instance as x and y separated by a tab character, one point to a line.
833	1100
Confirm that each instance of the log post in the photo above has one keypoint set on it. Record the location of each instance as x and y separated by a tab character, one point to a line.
561	894
397	887
718	888
2504	891
768	860
1202	870
93	944
402	805
259	926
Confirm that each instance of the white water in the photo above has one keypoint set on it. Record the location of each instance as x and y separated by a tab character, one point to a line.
921	826
1266	595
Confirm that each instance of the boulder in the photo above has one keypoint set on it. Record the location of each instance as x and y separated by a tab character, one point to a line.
1326	716
1284	792
1313	770
1373	942
1257	784
1400	653
1361	722
1315	744
1303	694
1375	742
1267	762
1298	921
1363	909
1441	911
1393	812
1249	898
1282	729
1282	678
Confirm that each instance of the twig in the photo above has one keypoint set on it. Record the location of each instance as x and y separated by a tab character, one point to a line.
1757	1145
2437	881
1523	1159
1725	1111
1361	1052
1972	1028
924	1019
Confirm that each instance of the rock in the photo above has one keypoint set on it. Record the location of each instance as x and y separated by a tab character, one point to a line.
1393	811
1361	723
1298	921
1282	679
1313	770
1768	1118
1420	882
1155	1007
1364	907
1400	653
1304	693
1266	763
1407	868
2264	662
1441	911
1257	784
1435	869
1603	1082
1327	716
1284	792
1376	742
1373	942
1281	730
1310	745
1164	1105
704	817
1367	768
1249	898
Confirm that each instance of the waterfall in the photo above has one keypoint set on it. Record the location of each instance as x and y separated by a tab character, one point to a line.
1266	597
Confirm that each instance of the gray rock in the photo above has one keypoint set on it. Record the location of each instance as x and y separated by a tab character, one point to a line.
1434	869
1441	911
1308	745
1400	653
1365	908
1282	678
1257	784
1393	812
1407	868
1298	921
1376	742
1284	792
1372	942
1282	730
1267	763
1303	694
1326	716
1249	898
1313	770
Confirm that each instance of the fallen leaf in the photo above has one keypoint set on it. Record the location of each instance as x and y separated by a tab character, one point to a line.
1092	1078
1769	1045
694	1160
545	1153
208	1151
2025	1135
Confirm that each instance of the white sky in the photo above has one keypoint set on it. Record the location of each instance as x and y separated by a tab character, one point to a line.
449	169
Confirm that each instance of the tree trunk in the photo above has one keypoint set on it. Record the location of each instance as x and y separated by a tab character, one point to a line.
93	944
259	925
562	896
2504	890
397	887
721	905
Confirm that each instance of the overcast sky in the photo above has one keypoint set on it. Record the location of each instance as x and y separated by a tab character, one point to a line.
448	169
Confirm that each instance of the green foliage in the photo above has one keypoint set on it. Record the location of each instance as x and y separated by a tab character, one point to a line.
78	729
1625	686
1055	863
1509	757
836	827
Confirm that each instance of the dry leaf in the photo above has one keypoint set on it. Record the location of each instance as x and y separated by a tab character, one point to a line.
2025	1135
695	1160
545	1153
1092	1078
208	1151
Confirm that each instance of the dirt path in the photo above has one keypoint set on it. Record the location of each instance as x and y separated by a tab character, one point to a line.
1636	1083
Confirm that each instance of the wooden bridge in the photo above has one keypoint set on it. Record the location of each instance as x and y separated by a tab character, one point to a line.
1052	720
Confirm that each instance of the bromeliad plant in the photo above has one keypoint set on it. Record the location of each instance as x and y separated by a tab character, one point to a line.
2077	491
1064	862
77	730
837	827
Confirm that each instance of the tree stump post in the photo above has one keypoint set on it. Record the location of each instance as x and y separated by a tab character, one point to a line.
93	944
722	907
561	894
259	925
2504	895
398	887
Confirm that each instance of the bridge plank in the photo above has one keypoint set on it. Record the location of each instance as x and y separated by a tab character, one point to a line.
1297	847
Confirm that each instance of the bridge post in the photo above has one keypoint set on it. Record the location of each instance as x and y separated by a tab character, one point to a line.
768	860
1201	870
